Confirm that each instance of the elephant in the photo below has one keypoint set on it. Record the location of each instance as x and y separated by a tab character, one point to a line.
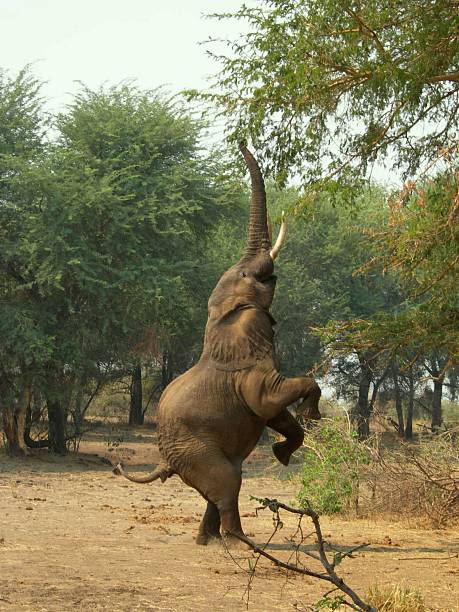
210	418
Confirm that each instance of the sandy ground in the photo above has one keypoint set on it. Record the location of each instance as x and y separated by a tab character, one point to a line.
75	537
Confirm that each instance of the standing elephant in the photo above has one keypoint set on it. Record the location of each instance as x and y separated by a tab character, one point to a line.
211	417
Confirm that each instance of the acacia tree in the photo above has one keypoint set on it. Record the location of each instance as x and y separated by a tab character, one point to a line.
24	344
320	86
149	147
419	241
99	234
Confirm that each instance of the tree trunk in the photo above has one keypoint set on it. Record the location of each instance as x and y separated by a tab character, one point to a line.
362	409
398	402
77	414
410	409
436	403
13	426
436	369
56	427
136	416
13	417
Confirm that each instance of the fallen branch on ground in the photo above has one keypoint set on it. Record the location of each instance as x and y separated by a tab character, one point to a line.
352	600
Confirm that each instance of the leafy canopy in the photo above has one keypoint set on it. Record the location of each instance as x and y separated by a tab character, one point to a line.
99	229
419	241
316	284
321	86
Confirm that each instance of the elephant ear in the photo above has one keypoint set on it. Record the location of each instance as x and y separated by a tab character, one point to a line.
241	337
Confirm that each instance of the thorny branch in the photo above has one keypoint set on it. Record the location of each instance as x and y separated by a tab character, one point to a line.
330	575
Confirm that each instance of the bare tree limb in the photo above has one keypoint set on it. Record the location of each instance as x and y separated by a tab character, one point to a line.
330	575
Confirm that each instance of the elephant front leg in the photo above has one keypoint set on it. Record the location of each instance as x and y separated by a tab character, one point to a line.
285	424
268	393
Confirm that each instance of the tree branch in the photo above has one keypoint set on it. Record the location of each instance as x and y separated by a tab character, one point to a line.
365	29
447	76
330	575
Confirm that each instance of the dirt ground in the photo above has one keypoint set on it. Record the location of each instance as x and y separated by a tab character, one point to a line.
75	537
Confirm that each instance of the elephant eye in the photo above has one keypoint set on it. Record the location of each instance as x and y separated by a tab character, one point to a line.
243	274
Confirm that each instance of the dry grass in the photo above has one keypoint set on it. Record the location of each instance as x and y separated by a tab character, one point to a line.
419	481
395	598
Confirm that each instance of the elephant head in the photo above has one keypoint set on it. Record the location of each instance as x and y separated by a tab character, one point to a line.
239	327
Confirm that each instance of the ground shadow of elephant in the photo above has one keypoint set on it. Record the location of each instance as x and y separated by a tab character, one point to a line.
211	417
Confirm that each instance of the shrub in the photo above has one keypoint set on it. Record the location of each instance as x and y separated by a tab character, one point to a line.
416	481
330	475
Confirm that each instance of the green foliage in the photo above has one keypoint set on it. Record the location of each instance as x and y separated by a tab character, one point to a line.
322	90
330	476
23	339
421	241
22	118
316	281
321	87
86	234
329	603
418	240
102	232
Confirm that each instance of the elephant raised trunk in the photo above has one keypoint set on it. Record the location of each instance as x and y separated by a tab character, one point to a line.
259	237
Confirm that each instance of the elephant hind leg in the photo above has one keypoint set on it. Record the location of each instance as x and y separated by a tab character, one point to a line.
210	525
219	482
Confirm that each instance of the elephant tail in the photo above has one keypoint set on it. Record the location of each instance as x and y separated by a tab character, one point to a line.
163	472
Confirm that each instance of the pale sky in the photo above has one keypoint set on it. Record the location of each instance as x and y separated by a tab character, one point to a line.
153	42
107	41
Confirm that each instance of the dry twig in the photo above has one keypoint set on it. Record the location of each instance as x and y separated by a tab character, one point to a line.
354	601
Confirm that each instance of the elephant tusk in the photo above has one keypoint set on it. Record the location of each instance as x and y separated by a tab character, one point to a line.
280	238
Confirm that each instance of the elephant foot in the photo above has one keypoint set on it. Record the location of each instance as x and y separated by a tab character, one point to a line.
209	529
206	539
282	452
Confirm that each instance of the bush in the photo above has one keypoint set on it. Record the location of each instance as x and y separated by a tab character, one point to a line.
331	468
415	481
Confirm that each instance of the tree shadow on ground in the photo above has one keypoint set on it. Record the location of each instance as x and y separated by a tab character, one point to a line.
450	547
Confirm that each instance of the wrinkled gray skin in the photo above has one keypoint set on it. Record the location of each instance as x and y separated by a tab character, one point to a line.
211	417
